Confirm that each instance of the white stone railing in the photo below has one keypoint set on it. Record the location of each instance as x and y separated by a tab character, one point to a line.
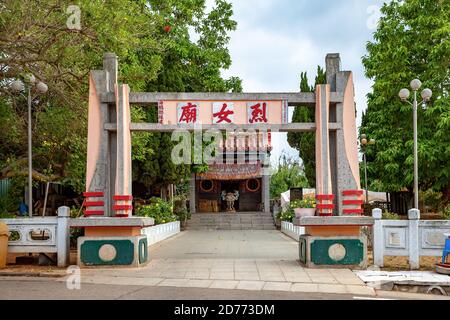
41	235
292	231
161	232
412	238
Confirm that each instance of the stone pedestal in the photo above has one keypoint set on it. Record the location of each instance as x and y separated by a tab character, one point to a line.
112	241
333	242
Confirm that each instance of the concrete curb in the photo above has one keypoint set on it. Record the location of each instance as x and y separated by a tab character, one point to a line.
32	274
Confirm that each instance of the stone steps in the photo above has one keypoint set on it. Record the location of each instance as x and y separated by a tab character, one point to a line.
231	221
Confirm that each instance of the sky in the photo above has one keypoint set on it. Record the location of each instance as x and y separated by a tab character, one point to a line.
276	40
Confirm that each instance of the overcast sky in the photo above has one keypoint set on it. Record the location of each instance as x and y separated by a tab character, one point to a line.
275	40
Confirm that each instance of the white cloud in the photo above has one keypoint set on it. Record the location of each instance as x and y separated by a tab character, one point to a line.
276	40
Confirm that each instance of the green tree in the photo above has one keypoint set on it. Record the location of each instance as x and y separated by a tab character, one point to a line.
412	41
35	38
287	174
187	66
305	142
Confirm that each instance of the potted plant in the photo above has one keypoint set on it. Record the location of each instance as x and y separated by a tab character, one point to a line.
304	207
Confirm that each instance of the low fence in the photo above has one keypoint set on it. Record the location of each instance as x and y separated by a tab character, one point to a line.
292	231
41	235
161	232
412	238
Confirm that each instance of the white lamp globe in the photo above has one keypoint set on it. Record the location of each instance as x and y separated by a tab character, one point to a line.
17	86
426	94
372	141
404	94
415	84
41	87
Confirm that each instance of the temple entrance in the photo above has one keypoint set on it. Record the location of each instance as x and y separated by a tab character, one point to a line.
229	186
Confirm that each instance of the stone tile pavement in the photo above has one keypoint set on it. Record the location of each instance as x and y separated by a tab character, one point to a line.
228	259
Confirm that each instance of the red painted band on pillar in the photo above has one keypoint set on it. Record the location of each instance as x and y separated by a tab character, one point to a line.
93	194
122	198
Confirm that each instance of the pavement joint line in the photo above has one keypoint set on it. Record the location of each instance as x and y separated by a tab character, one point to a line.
132	291
370	298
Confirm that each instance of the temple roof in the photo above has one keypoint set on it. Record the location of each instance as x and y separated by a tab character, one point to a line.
232	171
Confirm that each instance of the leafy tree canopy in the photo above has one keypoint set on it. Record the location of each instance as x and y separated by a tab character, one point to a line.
412	41
288	174
153	40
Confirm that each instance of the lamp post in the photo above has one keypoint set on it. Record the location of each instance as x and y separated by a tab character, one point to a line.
18	86
364	144
426	96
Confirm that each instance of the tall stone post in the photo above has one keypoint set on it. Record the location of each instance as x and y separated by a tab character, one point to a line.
414	256
266	191
111	65
63	237
343	141
123	179
378	238
192	199
100	167
323	163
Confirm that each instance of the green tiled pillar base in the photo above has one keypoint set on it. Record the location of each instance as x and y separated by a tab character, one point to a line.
333	252
113	251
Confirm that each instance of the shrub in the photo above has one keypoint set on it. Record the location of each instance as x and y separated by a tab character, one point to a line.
6	215
303	203
157	209
431	199
287	215
180	209
390	216
446	212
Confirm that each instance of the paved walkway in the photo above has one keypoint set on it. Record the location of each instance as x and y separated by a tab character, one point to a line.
247	260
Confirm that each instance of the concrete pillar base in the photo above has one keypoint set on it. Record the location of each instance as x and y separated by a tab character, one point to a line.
113	251
333	252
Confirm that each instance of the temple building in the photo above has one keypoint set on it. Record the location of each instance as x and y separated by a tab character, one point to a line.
242	170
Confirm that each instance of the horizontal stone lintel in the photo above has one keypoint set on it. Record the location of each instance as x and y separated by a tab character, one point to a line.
293	98
334	221
288	127
111	222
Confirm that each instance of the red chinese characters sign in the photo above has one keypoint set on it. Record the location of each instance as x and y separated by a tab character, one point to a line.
222	112
257	112
187	112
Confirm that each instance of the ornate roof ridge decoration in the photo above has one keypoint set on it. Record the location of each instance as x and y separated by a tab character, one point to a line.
232	171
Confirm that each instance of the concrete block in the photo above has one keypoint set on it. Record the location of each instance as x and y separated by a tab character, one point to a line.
333	252
113	251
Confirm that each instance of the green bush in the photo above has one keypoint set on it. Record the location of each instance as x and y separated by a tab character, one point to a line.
10	202
390	216
446	212
6	215
431	199
180	209
287	215
307	202
158	209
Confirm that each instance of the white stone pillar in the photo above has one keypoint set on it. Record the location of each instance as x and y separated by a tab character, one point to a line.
414	256
378	241
63	237
192	194
123	185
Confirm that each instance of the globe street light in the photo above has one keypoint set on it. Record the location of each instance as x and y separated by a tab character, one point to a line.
364	144
426	96
18	86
